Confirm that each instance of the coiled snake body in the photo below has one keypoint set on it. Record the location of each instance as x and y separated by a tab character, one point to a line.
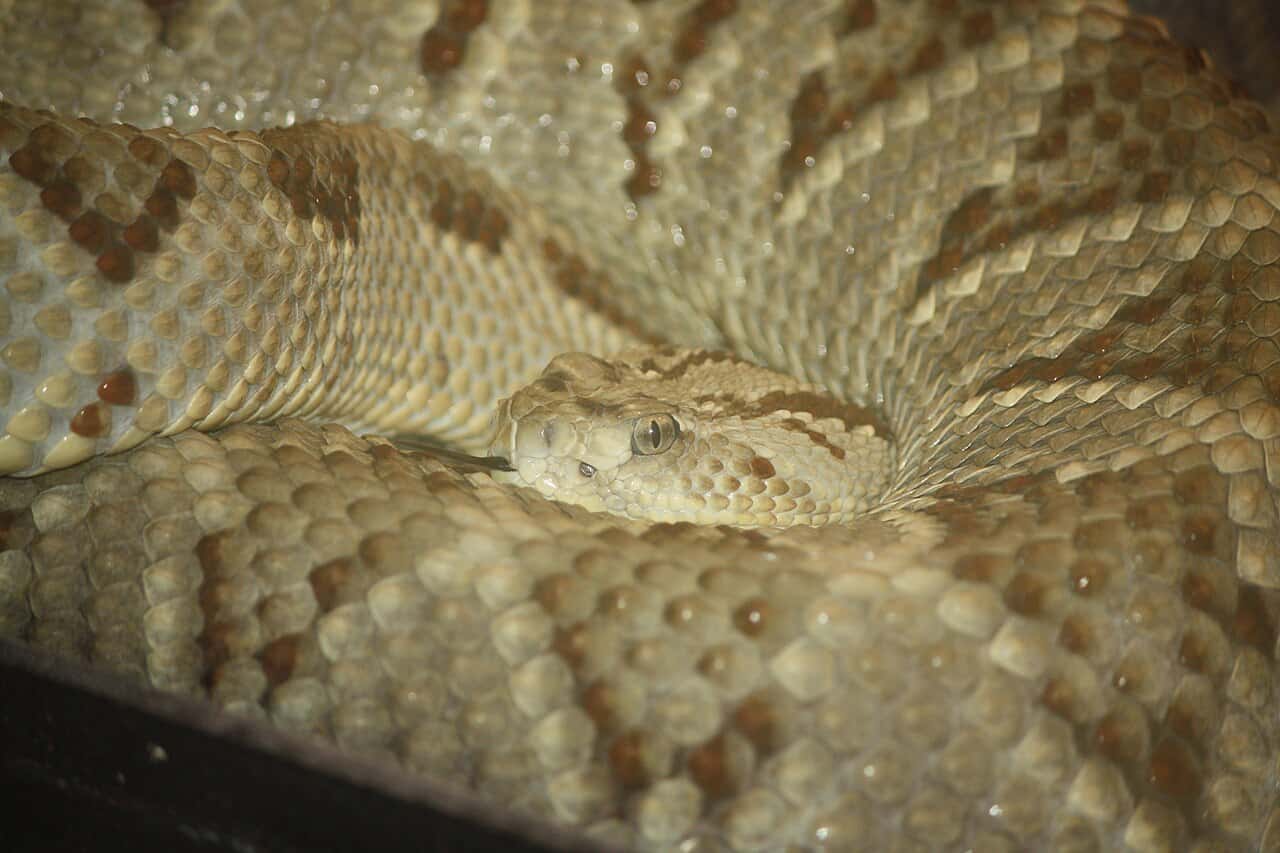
1033	243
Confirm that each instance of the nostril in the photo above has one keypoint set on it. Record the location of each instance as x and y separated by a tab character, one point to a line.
547	434
586	469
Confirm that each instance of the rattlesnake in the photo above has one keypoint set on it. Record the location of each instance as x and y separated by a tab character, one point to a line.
1033	240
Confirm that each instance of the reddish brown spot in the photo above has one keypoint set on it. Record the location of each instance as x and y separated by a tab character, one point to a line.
809	127
1026	193
61	198
1155	187
690	44
1088	575
142	234
600	703
552	591
1240	307
1134	154
1179	146
440	51
1187	719
709	768
119	388
1193	653
147	151
884	87
573	644
216	642
1012	376
998	237
90	230
162	205
303	204
978	28
762	467
979	567
1049	217
1077	100
1075	636
1059	697
211	550
330	581
116	263
444	45
645	179
279	658
1252	624
1053	369
178	179
1124	83
959	232
627	760
1198	534
1025	594
1173	770
929	57
467	15
589	286
1115	739
1102	200
30	164
692	40
334	197
164	8
752	617
1144	311
861	14
17	529
1108	125
278	170
1153	114
1051	145
757	719
1143	369
92	421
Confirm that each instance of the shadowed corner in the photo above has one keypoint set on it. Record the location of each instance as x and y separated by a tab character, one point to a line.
464	462
94	764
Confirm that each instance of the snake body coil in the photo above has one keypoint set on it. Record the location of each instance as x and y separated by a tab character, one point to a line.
1017	261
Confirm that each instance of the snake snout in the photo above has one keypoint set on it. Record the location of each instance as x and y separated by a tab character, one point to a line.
539	438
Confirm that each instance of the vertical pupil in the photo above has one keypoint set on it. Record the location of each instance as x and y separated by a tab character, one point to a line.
655	433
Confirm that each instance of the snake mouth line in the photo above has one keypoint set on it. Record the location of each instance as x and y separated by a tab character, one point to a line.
420	444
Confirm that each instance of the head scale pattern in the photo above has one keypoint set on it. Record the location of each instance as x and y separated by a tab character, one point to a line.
673	435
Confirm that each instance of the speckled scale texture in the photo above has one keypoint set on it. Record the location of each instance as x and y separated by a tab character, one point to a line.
1039	238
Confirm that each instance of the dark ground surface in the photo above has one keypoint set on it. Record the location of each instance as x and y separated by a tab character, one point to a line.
81	770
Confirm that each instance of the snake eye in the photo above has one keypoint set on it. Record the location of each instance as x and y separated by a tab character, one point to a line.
653	434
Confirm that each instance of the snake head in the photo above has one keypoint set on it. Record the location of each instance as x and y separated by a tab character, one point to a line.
676	435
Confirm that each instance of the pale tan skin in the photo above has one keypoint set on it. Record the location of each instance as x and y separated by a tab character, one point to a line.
1039	240
687	435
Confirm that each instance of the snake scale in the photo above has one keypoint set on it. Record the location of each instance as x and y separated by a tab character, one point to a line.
1037	239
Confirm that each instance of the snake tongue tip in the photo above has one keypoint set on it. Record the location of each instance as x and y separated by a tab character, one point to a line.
421	444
